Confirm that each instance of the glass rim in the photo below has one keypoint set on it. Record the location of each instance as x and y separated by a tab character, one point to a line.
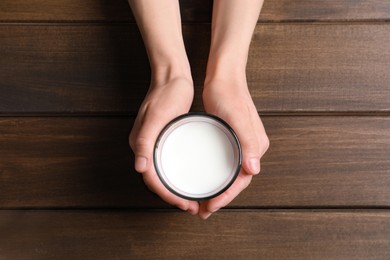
236	149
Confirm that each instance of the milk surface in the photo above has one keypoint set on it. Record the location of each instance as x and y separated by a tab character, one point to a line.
197	158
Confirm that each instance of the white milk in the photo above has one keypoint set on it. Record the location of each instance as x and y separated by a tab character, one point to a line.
198	158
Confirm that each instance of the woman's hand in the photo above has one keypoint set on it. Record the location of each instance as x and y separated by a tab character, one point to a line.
171	91
164	102
225	93
230	100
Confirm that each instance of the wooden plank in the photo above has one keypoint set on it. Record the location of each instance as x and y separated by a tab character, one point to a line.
72	68
331	10
318	161
226	235
65	10
192	10
320	68
104	68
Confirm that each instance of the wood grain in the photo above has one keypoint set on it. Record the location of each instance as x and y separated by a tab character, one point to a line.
332	10
104	68
226	235
73	74
192	10
313	161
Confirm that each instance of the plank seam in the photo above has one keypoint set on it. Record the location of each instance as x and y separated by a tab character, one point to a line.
262	114
229	209
261	22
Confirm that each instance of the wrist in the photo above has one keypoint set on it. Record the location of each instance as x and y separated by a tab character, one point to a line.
226	69
166	70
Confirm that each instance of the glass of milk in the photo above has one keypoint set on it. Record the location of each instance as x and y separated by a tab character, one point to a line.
197	156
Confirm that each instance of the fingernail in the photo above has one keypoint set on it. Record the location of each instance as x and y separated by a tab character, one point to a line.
254	165
140	163
191	209
183	205
191	212
206	215
214	210
182	208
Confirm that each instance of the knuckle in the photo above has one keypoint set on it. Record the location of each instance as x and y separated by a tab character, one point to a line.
251	144
252	148
131	140
142	143
265	143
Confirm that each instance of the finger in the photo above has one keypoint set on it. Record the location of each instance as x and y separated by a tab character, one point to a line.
144	140
134	133
247	135
204	213
254	144
261	134
154	184
213	205
135	130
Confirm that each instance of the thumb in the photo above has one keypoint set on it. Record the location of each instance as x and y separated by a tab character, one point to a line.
249	143
251	155
143	139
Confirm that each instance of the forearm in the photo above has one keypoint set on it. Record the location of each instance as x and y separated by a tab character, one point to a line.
232	28
160	26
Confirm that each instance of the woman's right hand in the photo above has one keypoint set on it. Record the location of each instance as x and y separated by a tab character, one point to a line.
166	99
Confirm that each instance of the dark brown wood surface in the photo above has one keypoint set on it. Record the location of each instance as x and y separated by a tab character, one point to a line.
331	10
73	74
193	10
227	235
86	163
104	68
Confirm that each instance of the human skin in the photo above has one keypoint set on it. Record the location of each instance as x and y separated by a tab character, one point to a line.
225	92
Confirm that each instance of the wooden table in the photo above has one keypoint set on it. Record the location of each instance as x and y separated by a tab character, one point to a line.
73	74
